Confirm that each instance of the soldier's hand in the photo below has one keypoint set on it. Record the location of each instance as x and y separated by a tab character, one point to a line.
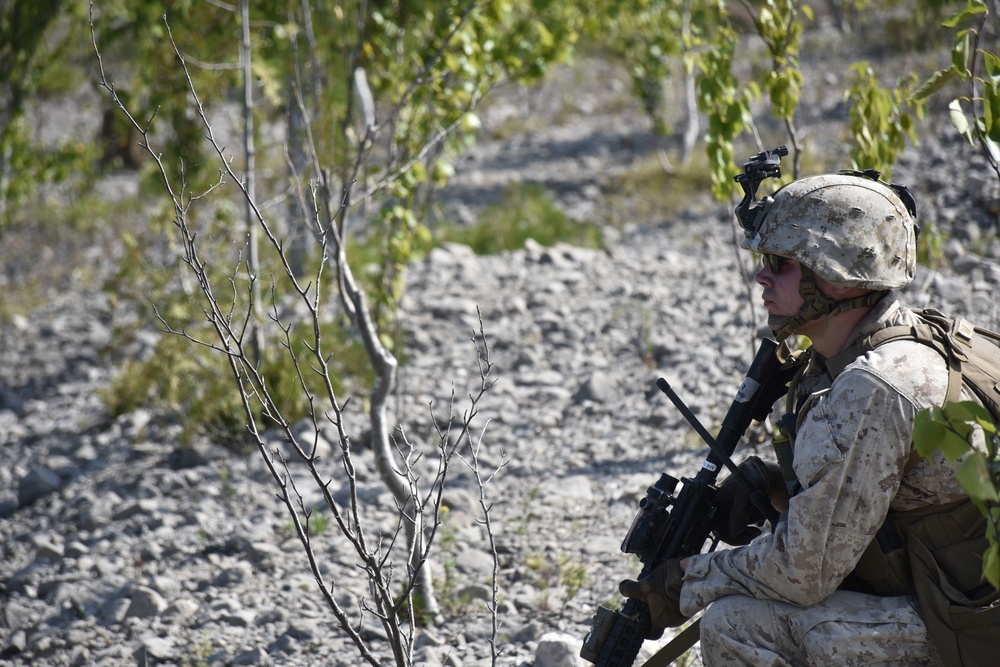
661	591
738	520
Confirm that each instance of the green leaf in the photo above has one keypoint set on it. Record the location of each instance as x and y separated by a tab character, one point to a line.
993	147
973	8
934	83
973	413
967	411
991	109
959	120
991	565
928	430
960	53
974	476
992	514
953	445
932	430
991	62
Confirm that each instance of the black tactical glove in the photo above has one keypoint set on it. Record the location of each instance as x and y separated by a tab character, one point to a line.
661	591
738	520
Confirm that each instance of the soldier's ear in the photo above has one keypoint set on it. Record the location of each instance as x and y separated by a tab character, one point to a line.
839	292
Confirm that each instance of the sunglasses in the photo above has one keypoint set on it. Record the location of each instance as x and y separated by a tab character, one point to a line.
774	262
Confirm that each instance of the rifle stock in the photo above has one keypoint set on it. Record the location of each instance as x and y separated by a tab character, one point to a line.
668	526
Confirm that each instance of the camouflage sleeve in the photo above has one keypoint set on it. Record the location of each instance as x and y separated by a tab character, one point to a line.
850	452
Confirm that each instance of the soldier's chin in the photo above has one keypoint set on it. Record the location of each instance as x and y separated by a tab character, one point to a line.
777	322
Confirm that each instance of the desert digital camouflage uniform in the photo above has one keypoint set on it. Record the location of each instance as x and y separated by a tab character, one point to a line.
776	601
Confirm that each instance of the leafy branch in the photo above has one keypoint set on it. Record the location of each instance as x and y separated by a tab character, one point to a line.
952	430
976	115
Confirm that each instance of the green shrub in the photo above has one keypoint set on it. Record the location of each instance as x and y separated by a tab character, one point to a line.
930	245
194	384
650	192
526	211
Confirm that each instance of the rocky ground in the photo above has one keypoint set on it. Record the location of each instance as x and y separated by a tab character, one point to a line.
117	547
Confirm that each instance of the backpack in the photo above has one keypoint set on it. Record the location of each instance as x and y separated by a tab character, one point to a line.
945	544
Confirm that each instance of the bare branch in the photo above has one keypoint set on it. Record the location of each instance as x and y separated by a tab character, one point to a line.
396	570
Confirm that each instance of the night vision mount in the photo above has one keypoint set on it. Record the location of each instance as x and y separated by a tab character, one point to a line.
750	210
767	164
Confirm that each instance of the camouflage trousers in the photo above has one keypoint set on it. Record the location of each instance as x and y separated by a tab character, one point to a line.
846	629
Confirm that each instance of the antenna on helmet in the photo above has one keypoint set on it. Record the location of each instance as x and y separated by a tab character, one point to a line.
750	210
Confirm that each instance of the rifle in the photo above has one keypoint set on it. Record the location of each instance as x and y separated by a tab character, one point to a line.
668	526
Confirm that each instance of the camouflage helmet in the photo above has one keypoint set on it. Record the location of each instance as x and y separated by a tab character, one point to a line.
849	229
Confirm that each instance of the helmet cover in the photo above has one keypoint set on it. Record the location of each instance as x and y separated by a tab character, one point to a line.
850	230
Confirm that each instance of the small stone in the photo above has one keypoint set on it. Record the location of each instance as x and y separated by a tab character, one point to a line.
38	483
558	649
15	644
254	656
158	648
182	608
145	603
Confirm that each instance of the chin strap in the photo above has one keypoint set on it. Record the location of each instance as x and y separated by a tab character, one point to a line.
818	304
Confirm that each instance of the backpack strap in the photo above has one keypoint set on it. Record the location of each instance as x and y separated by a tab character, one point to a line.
947	338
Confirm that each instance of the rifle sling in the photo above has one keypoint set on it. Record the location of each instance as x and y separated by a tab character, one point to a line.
677	646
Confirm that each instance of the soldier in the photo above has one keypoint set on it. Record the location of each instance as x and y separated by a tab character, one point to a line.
835	247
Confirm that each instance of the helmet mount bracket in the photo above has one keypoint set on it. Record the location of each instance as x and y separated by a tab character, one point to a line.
751	211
